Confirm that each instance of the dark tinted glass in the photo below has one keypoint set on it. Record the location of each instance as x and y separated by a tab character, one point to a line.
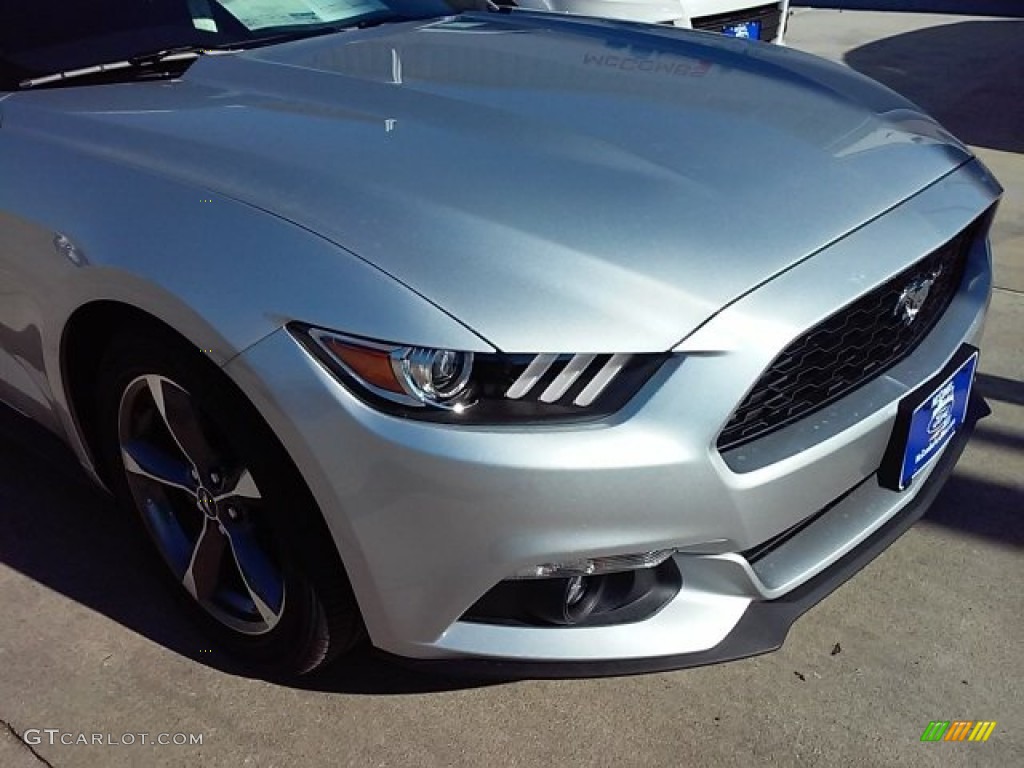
41	37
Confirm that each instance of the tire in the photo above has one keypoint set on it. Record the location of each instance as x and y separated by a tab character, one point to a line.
221	507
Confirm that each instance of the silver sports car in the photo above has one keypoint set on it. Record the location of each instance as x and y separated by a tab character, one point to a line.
514	341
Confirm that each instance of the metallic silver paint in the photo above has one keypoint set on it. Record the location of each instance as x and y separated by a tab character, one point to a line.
509	190
648	478
582	179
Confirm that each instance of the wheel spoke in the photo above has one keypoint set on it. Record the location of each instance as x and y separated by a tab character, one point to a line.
176	547
144	460
182	421
245	488
204	568
260	577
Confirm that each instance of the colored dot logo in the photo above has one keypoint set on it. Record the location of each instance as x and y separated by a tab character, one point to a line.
958	730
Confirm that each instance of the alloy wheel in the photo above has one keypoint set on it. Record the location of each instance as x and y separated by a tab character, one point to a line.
201	506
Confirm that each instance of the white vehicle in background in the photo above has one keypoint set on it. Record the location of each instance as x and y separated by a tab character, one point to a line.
753	19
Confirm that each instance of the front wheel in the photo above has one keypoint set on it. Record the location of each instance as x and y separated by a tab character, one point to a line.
222	508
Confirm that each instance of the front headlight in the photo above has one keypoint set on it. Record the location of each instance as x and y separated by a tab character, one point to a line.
433	376
411	376
466	388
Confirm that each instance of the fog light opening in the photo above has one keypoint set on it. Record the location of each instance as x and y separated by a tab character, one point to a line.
583	599
578	596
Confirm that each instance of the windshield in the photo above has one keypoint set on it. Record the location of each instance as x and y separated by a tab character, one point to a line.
43	37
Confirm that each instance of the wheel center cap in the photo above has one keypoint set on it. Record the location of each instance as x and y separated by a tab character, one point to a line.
206	503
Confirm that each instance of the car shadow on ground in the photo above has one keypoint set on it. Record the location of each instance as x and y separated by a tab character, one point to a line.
1000	388
974	7
980	65
982	507
61	531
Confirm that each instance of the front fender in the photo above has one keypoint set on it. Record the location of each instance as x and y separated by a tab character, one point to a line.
78	228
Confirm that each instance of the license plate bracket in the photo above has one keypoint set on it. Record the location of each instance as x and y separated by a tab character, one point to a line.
747	30
927	419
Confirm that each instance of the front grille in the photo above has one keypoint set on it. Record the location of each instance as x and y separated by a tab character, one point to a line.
849	349
769	15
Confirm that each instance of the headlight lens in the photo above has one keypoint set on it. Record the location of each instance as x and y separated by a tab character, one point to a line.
468	388
412	376
437	375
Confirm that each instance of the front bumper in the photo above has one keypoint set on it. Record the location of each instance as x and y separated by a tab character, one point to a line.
764	625
428	518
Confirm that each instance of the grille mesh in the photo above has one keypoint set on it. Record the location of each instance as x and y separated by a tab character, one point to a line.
848	349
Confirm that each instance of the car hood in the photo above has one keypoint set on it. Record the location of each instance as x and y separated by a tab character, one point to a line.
552	183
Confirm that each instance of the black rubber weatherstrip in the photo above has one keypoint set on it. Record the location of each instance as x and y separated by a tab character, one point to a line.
763	628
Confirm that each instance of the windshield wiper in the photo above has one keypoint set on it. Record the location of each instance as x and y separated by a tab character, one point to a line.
362	22
142	62
179	53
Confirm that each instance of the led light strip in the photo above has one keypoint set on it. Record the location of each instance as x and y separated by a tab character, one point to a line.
529	378
541	364
603	378
565	379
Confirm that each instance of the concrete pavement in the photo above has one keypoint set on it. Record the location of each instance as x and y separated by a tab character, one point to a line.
974	7
929	631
